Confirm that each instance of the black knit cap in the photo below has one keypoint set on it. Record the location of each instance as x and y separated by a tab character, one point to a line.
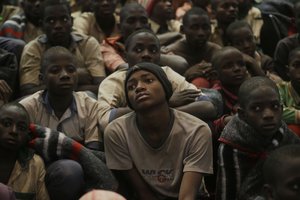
154	69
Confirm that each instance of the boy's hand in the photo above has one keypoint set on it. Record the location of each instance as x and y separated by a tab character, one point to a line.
252	66
184	97
203	70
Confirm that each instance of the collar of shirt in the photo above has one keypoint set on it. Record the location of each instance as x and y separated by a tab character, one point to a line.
75	39
45	101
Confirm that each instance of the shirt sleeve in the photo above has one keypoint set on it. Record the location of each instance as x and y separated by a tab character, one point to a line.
111	95
41	193
116	148
30	64
199	154
93	58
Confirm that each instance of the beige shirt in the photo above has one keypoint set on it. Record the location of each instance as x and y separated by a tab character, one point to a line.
7	12
256	22
111	93
86	24
29	180
173	25
188	148
79	122
86	49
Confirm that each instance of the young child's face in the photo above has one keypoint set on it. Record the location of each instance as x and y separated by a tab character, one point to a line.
163	8
263	110
61	74
13	128
231	68
294	69
227	11
287	185
145	90
243	39
144	47
197	30
57	24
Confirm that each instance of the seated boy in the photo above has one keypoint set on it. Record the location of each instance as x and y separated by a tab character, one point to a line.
248	137
101	22
281	173
144	46
232	72
60	108
159	152
20	168
195	47
240	36
57	25
290	92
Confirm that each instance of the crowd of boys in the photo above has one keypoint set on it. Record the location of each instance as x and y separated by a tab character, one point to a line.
109	99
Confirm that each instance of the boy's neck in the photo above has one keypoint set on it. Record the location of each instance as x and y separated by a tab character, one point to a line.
60	103
106	24
161	22
154	124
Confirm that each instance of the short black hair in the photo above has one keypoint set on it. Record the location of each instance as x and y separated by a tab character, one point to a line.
251	84
214	4
131	36
292	54
54	51
127	7
277	159
236	25
17	105
194	11
219	55
48	3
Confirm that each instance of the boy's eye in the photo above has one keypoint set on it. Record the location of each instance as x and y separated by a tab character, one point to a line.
131	87
149	80
276	106
65	19
257	108
138	49
71	69
50	21
54	69
153	50
6	122
22	127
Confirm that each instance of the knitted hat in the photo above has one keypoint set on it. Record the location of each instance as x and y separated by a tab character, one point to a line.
154	69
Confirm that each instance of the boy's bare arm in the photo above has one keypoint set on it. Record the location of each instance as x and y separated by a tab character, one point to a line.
138	184
190	185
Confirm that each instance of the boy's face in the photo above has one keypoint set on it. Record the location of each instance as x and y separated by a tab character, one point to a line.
263	111
197	30
135	19
227	11
231	68
143	48
104	7
57	24
144	90
164	9
13	128
243	39
287	185
61	75
294	70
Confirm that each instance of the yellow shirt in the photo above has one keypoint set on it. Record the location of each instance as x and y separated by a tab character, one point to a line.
28	181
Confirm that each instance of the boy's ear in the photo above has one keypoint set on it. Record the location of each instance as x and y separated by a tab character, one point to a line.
268	192
41	77
241	113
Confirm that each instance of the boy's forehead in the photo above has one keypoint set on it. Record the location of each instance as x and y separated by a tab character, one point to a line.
193	18
55	10
13	111
140	37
